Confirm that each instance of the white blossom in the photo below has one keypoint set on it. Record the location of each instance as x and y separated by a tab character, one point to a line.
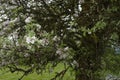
108	77
73	29
4	16
4	45
10	37
89	32
49	1
27	55
39	4
56	38
44	42
79	7
65	18
59	51
28	10
29	4
2	11
31	40
69	28
28	20
34	8
75	63
66	48
15	20
38	26
17	43
13	36
63	56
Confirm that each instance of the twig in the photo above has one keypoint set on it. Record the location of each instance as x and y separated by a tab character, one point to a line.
62	73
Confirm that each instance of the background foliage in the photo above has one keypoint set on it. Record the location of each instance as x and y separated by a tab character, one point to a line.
82	34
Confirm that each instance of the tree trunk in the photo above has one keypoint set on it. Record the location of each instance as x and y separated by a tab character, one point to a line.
89	63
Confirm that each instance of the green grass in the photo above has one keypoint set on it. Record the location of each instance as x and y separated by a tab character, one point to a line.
4	75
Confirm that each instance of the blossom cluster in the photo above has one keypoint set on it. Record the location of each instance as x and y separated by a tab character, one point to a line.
62	52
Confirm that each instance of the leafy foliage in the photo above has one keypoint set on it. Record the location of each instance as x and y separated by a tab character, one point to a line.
76	32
